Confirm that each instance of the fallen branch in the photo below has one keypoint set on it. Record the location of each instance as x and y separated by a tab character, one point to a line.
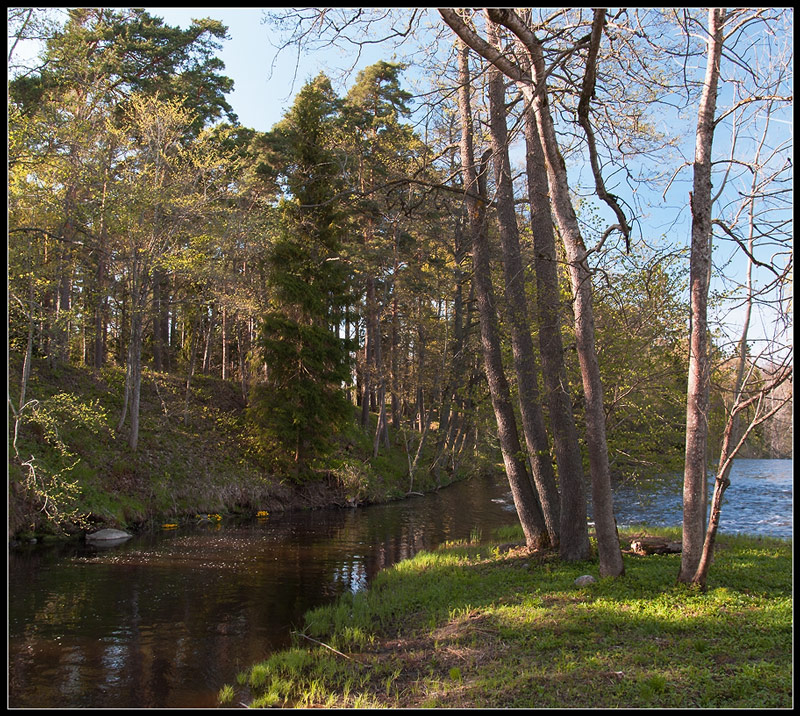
327	646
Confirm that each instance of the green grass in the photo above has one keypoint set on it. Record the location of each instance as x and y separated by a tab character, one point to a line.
472	626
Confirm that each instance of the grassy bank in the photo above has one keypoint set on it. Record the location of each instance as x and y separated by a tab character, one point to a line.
194	456
482	626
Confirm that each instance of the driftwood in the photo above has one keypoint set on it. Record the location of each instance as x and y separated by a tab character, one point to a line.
654	545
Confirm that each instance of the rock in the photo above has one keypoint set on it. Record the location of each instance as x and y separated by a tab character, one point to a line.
107	535
585	579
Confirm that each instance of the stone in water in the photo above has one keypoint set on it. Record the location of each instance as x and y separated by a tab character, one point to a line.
107	535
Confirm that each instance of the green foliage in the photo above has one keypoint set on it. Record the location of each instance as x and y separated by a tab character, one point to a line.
641	332
56	429
302	404
126	51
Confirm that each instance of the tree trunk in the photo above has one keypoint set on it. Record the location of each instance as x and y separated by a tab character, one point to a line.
190	372
534	90
243	345
581	278
158	345
224	343
369	350
393	347
136	377
207	350
695	478
100	290
133	374
517	306
574	544
528	509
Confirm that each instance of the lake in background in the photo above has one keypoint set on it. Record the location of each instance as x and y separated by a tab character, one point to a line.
165	619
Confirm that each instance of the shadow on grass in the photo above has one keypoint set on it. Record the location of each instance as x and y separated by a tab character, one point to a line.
516	630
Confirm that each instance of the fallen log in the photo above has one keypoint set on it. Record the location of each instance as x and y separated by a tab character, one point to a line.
654	545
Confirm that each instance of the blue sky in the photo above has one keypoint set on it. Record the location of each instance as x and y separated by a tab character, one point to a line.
258	99
262	92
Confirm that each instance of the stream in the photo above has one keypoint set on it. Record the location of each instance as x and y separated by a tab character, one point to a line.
166	618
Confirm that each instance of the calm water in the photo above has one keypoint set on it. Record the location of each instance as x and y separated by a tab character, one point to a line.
165	619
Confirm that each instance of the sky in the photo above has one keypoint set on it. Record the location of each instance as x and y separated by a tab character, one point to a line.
263	85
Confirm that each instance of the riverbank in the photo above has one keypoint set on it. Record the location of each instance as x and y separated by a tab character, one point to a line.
490	626
195	455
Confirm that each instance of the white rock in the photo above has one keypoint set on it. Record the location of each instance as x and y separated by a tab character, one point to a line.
585	579
107	535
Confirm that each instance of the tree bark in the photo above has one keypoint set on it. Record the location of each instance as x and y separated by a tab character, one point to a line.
528	509
525	364
534	90
574	543
602	501
695	477
100	288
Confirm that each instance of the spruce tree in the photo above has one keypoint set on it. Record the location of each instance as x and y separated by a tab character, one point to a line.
303	403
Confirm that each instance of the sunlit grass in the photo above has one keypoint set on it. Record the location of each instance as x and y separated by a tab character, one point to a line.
477	626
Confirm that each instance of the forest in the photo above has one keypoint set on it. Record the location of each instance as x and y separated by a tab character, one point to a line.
462	260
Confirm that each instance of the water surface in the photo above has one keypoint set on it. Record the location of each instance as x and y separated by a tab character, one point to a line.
165	619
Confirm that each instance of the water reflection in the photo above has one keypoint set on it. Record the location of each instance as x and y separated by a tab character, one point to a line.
163	620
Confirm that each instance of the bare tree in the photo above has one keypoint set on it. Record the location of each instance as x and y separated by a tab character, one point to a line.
762	207
574	536
694	478
525	363
533	86
725	30
528	509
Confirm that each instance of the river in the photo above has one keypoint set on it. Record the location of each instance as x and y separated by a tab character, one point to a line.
165	619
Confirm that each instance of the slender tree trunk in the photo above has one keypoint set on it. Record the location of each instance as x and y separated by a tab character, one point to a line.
158	363
369	350
517	307
395	392
136	377
64	297
241	340
26	363
207	349
190	372
574	544
382	427
534	90
447	410
528	509
695	478
100	290
602	501
224	343
420	413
